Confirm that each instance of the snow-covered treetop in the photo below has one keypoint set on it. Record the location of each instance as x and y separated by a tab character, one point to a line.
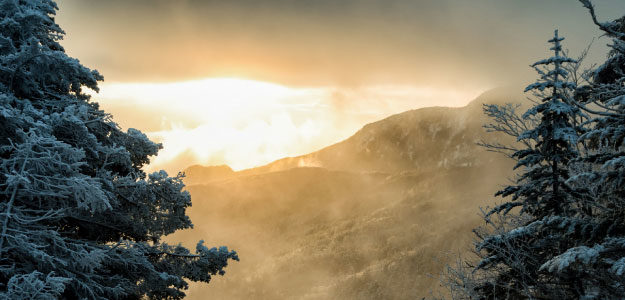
551	141
34	64
552	78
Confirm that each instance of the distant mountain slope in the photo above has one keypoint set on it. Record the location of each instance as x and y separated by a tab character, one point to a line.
421	139
366	218
197	174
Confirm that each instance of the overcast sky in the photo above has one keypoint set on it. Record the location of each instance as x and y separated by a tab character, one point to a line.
245	82
481	43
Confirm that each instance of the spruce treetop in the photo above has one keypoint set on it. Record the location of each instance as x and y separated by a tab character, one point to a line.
541	189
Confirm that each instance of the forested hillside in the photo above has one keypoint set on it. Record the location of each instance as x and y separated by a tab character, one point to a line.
369	217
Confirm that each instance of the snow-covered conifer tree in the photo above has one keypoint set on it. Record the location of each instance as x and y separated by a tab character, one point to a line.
541	188
515	255
567	241
79	218
600	257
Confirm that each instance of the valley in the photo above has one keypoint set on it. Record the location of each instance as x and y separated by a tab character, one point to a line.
376	216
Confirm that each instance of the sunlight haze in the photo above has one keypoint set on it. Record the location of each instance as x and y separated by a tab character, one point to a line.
247	82
312	149
246	123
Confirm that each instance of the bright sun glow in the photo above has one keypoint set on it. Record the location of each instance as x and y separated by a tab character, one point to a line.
246	123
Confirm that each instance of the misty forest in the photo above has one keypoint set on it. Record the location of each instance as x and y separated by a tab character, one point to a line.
519	194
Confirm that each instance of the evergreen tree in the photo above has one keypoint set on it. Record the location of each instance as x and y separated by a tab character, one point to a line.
541	188
515	256
567	241
79	218
600	257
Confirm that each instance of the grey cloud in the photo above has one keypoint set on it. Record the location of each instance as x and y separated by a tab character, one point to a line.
444	42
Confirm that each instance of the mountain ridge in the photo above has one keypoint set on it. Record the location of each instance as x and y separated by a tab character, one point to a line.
320	157
370	219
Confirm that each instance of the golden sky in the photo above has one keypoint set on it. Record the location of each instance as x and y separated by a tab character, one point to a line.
244	82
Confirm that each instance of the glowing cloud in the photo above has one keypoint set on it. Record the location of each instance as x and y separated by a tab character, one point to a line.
246	123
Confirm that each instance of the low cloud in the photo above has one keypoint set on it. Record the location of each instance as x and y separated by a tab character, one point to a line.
245	123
